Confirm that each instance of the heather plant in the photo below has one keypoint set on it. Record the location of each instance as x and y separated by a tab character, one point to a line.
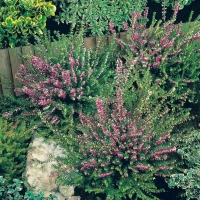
66	78
67	70
120	148
166	49
189	179
96	15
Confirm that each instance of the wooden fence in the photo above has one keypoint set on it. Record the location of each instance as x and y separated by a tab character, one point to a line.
10	61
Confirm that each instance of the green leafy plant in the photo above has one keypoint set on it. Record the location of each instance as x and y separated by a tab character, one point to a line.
96	14
14	142
120	148
21	19
171	3
12	192
12	108
189	180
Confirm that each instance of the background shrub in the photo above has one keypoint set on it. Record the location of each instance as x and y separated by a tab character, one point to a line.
19	20
14	142
95	15
13	192
190	178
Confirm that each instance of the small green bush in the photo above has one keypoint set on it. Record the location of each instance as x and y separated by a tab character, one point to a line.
12	192
21	19
96	14
14	142
189	180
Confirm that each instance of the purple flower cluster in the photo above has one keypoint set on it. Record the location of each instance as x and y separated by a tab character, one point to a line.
153	51
116	137
44	82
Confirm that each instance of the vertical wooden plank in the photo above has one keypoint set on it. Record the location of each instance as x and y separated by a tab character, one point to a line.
54	52
5	69
110	39
28	53
1	91
101	43
16	61
123	36
90	42
38	51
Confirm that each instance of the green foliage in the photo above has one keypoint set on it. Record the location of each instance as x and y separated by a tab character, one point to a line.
113	151
96	14
171	3
21	19
13	108
12	192
14	142
189	180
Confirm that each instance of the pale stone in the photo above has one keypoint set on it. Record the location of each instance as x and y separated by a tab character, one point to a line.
40	166
66	191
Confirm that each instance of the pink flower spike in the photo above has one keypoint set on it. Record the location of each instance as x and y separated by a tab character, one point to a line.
111	27
62	94
73	92
44	102
72	62
125	24
66	77
22	68
100	109
142	167
58	84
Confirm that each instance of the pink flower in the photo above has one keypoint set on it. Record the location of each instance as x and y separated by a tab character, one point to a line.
58	84
28	91
151	44
142	167
125	24
123	137
73	92
100	109
66	77
105	174
164	40
115	152
22	68
72	62
44	102
105	152
130	145
111	27
120	155
62	94
158	58
134	158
